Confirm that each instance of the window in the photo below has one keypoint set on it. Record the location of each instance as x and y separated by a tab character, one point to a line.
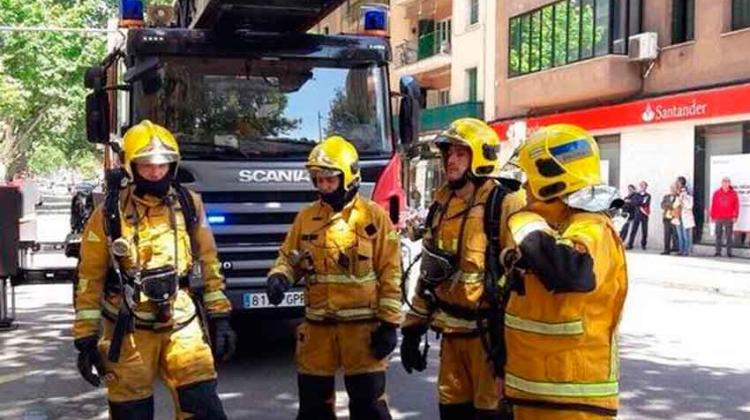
568	31
740	14
683	20
444	97
471	76
473	11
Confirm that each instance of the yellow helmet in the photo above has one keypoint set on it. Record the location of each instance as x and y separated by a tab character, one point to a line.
147	142
558	160
336	156
477	136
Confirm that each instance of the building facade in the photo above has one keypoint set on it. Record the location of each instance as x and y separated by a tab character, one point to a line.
685	112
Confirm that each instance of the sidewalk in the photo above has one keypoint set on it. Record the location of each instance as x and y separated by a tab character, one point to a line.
726	276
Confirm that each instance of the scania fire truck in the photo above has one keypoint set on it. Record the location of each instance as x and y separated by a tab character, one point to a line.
248	93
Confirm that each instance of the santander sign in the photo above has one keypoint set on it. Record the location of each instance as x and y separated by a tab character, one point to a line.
673	112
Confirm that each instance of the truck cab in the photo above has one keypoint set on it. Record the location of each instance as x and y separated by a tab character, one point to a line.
248	94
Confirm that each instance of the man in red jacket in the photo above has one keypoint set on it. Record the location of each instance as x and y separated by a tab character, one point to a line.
725	207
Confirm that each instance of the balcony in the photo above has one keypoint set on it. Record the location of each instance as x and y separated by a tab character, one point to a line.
426	53
590	81
434	119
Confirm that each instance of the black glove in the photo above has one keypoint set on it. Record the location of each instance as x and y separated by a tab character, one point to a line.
88	359
276	286
411	357
223	339
383	340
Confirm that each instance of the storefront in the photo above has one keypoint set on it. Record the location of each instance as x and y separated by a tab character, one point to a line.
701	135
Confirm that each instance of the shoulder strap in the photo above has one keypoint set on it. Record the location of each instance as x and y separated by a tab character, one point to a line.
188	207
112	225
491	322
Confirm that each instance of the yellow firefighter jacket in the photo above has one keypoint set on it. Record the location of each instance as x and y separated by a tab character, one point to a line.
152	244
561	334
356	257
466	287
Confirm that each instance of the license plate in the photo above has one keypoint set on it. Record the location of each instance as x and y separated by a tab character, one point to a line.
260	300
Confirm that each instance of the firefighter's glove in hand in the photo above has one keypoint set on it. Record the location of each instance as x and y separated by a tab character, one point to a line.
383	340
411	357
223	339
276	286
89	359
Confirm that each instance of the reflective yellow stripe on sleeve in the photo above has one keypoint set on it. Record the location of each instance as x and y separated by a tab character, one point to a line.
88	314
546	328
344	278
394	304
213	296
562	389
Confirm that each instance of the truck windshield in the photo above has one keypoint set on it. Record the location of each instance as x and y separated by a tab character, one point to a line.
261	108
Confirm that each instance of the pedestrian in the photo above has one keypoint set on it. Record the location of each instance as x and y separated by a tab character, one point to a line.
139	252
642	204
629	208
451	282
684	220
725	208
347	252
566	300
668	213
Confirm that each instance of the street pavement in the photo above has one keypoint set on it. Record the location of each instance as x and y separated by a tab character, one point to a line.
683	346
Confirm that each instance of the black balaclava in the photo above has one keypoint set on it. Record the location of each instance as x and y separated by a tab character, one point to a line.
158	188
340	197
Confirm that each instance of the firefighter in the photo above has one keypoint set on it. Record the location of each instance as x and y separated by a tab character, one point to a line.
347	253
140	251
568	284
452	272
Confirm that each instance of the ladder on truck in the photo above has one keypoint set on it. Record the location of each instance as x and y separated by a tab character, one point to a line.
275	16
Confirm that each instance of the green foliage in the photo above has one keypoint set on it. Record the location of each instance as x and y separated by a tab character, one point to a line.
42	125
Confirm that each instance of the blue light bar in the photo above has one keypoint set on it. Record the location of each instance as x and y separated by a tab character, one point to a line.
131	10
375	18
216	220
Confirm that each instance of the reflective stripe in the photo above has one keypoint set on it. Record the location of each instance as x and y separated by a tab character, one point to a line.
214	296
449	245
394	304
344	278
424	315
614	358
344	314
468	277
547	328
88	314
537	225
562	389
444	320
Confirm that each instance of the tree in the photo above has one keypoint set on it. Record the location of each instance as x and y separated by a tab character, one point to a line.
41	82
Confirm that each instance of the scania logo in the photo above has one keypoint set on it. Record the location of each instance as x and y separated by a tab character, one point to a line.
273	175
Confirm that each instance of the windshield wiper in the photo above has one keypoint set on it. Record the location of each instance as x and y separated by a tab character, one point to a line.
234	152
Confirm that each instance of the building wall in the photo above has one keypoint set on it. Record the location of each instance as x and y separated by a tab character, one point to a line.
468	47
715	56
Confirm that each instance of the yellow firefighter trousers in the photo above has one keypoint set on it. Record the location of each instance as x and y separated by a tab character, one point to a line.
466	376
531	413
181	357
322	349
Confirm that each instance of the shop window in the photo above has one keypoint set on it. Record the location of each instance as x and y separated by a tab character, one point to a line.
740	14
609	150
712	141
568	31
683	21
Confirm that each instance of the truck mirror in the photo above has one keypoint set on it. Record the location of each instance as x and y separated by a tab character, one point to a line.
97	123
408	116
95	78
